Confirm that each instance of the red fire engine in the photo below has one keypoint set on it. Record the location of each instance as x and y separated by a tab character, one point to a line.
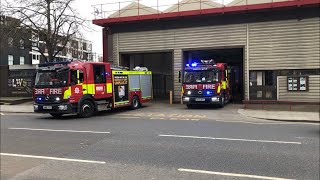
84	88
206	83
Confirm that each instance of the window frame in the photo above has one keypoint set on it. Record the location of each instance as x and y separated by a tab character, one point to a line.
101	71
10	60
24	60
263	91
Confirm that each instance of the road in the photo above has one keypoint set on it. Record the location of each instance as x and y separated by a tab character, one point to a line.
157	144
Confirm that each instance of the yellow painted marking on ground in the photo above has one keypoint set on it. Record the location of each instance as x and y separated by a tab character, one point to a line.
194	119
154	118
232	174
159	115
164	115
53	158
119	117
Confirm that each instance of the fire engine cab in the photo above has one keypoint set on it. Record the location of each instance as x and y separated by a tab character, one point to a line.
206	83
84	88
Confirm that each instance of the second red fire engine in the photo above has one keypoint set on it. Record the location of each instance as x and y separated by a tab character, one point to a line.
84	88
206	83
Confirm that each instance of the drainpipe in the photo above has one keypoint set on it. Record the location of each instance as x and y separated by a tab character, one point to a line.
105	32
247	63
118	54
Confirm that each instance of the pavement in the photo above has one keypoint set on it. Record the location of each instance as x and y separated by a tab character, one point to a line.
14	100
162	110
153	143
21	108
281	115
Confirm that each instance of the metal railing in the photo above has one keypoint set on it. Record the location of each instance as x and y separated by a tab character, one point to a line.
144	7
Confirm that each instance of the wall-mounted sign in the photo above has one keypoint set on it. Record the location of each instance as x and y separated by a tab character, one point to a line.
20	83
298	83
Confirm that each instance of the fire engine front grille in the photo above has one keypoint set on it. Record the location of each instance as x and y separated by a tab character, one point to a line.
48	99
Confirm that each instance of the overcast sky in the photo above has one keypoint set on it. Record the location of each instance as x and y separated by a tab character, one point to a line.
85	9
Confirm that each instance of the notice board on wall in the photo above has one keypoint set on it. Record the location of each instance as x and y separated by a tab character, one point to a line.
20	82
298	83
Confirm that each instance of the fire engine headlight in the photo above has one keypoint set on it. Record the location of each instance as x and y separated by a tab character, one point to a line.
57	99
215	99
186	99
189	92
35	107
63	107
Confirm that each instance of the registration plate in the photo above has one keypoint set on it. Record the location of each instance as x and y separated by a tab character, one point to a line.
47	107
200	99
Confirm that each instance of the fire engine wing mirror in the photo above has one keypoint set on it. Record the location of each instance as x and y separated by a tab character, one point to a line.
179	76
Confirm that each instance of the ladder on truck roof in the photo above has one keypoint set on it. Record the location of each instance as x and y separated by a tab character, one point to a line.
119	68
122	68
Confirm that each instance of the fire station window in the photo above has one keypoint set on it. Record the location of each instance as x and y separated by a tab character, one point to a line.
99	74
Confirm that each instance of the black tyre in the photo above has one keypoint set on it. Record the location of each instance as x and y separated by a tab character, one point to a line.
56	115
135	103
86	109
190	106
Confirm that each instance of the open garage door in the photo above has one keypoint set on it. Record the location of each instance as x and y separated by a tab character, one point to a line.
160	63
232	56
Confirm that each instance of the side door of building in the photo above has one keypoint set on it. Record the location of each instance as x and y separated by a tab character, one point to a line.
263	85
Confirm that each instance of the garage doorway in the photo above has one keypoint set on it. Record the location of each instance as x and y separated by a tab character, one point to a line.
161	65
232	56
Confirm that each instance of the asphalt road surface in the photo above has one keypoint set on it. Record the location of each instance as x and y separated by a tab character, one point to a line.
145	144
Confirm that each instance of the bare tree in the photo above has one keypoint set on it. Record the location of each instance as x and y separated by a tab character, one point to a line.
53	23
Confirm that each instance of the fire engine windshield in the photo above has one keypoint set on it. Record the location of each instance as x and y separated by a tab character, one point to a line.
200	77
51	78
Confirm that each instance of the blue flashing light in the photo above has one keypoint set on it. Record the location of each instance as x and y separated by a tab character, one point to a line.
194	64
209	92
39	98
188	65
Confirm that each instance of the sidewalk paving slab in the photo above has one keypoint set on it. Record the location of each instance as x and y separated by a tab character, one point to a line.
14	100
27	108
291	116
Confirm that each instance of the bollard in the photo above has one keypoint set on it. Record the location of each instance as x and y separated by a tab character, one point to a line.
170	97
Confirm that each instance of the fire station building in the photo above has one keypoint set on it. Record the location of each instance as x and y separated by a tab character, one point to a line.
273	45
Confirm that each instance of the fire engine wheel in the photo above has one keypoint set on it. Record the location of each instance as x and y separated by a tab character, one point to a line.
86	109
135	104
56	115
